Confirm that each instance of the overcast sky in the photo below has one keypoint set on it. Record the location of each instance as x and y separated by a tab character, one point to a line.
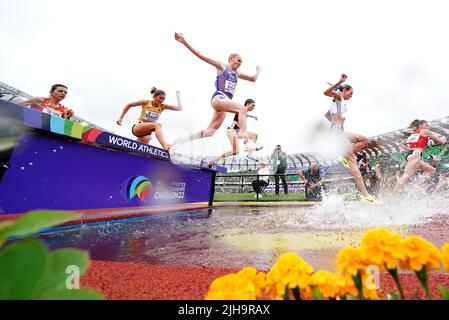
111	52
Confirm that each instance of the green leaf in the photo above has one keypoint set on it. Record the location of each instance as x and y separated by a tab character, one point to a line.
316	293
443	292
22	265
73	294
35	221
358	284
297	293
394	296
3	226
422	276
286	293
59	269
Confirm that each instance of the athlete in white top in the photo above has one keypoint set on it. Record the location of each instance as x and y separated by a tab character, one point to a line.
340	95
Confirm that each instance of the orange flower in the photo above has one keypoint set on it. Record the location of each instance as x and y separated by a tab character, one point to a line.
289	271
349	261
326	282
419	253
247	284
382	248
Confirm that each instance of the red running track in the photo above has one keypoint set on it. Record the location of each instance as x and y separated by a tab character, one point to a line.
134	281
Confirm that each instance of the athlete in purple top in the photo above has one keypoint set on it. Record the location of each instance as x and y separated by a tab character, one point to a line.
227	76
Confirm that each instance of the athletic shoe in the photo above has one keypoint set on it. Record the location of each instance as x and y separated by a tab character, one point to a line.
250	157
345	162
369	199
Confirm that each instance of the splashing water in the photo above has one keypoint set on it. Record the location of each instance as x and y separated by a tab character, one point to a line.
247	236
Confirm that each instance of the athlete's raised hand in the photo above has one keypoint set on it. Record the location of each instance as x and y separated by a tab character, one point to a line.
179	37
119	122
68	114
343	78
258	69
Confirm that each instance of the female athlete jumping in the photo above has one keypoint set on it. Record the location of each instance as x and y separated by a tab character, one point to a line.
340	94
151	111
226	81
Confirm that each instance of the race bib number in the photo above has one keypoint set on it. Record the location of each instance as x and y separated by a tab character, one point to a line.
52	112
413	138
230	86
222	97
151	116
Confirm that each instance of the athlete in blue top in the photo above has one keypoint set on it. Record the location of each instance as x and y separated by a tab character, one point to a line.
227	76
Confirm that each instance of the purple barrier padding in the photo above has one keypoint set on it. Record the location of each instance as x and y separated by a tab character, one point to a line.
32	118
49	172
10	113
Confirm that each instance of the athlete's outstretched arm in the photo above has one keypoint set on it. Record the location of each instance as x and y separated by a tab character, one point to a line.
403	144
251	116
251	78
31	101
435	137
330	91
174	108
179	37
128	106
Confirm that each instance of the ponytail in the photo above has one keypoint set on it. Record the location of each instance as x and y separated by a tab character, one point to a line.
416	123
156	92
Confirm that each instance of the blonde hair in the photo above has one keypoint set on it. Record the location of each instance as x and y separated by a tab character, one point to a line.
232	55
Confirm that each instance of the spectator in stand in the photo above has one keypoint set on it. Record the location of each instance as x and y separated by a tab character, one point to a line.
313	179
263	178
51	105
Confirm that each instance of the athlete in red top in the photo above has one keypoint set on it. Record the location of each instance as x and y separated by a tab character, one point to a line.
415	144
52	104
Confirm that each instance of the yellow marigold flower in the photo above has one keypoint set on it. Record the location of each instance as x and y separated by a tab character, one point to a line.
257	278
326	282
347	286
419	253
349	261
382	248
244	285
445	256
289	271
